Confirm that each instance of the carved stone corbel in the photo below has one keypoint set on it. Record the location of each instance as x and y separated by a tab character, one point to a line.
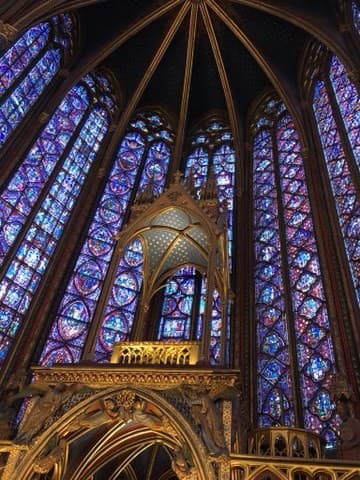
8	33
182	465
46	463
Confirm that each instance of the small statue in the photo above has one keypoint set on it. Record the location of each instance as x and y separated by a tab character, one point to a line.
7	413
46	463
182	466
7	398
108	412
47	401
145	417
207	416
349	431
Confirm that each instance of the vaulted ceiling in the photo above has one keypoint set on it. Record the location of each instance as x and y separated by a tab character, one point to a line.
195	56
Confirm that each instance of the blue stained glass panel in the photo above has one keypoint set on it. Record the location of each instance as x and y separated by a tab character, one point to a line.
344	191
28	67
14	108
20	55
98	247
275	404
316	364
122	303
156	165
19	197
349	104
356	15
176	316
25	271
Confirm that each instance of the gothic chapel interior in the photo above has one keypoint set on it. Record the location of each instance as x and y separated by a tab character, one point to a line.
180	240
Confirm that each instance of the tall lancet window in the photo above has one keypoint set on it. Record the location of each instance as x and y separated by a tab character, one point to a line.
211	158
356	15
37	202
336	105
97	301
28	67
295	355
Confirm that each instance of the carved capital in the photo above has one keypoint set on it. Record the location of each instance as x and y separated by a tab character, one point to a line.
354	75
45	463
43	117
345	27
101	173
7	34
305	153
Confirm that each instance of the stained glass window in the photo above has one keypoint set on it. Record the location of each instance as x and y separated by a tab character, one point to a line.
356	15
22	192
290	305
142	157
28	67
212	157
339	165
177	311
122	304
80	124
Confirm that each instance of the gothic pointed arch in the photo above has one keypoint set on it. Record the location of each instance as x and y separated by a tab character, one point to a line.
111	431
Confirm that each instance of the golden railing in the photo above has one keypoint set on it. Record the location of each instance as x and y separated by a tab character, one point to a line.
285	441
156	353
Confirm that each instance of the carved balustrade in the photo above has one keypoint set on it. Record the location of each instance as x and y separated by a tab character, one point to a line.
156	353
286	442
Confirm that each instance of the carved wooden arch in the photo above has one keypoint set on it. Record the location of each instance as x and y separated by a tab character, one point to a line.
267	472
128	436
214	253
323	474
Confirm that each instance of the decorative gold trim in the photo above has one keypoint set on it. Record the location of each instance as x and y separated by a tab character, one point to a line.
16	452
252	467
155	353
99	376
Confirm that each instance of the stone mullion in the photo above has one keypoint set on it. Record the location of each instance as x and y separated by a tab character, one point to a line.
241	272
246	306
195	308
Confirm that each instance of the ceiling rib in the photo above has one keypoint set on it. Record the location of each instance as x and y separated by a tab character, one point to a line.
90	61
129	110
224	81
186	89
151	463
278	83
